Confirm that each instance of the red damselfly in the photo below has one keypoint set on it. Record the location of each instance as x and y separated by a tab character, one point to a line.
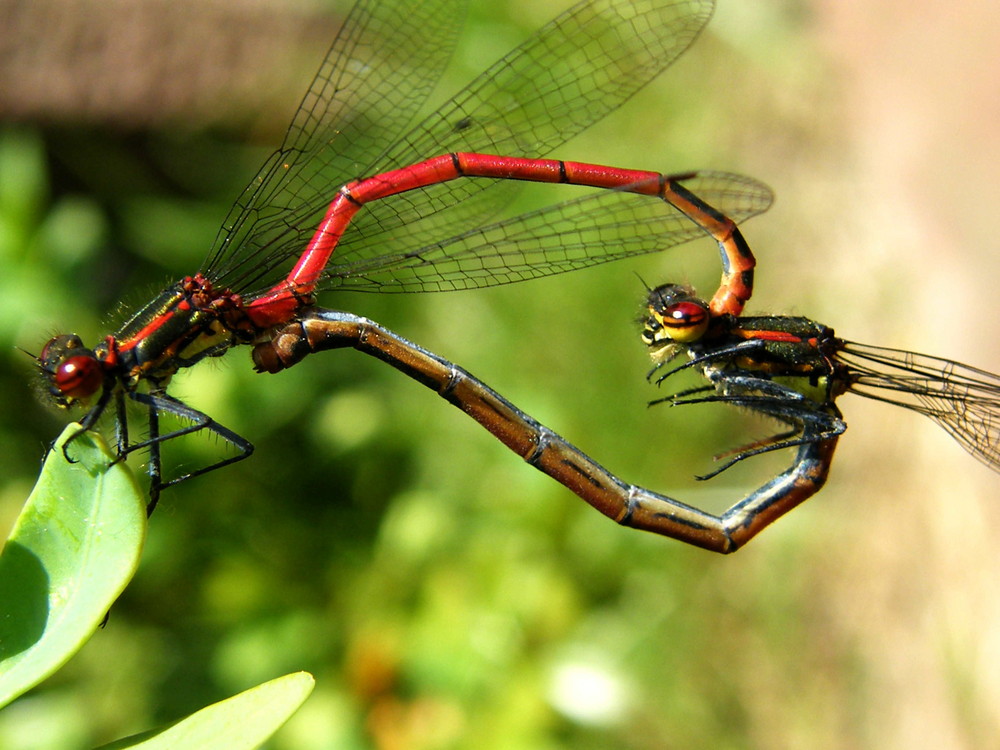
356	120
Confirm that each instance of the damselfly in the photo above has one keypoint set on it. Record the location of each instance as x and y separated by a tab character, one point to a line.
789	369
356	120
793	370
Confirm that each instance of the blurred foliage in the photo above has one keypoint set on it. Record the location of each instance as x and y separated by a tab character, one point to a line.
443	593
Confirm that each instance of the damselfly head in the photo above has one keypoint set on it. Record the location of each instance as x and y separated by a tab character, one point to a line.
72	372
674	315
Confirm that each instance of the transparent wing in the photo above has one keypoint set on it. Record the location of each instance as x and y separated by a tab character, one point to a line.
377	74
964	400
597	228
571	73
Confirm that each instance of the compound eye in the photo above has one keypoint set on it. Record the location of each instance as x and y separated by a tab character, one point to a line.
684	322
58	348
78	376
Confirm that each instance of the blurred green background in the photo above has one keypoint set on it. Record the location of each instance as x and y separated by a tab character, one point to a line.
444	594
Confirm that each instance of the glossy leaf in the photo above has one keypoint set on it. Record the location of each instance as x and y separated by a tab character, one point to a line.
73	550
246	720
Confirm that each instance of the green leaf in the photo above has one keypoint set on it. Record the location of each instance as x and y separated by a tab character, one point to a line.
246	720
73	549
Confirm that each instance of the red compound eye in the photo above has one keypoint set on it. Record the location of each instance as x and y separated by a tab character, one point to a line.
685	321
78	377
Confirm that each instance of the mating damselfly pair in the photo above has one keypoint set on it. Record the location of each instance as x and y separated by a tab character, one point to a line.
412	214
